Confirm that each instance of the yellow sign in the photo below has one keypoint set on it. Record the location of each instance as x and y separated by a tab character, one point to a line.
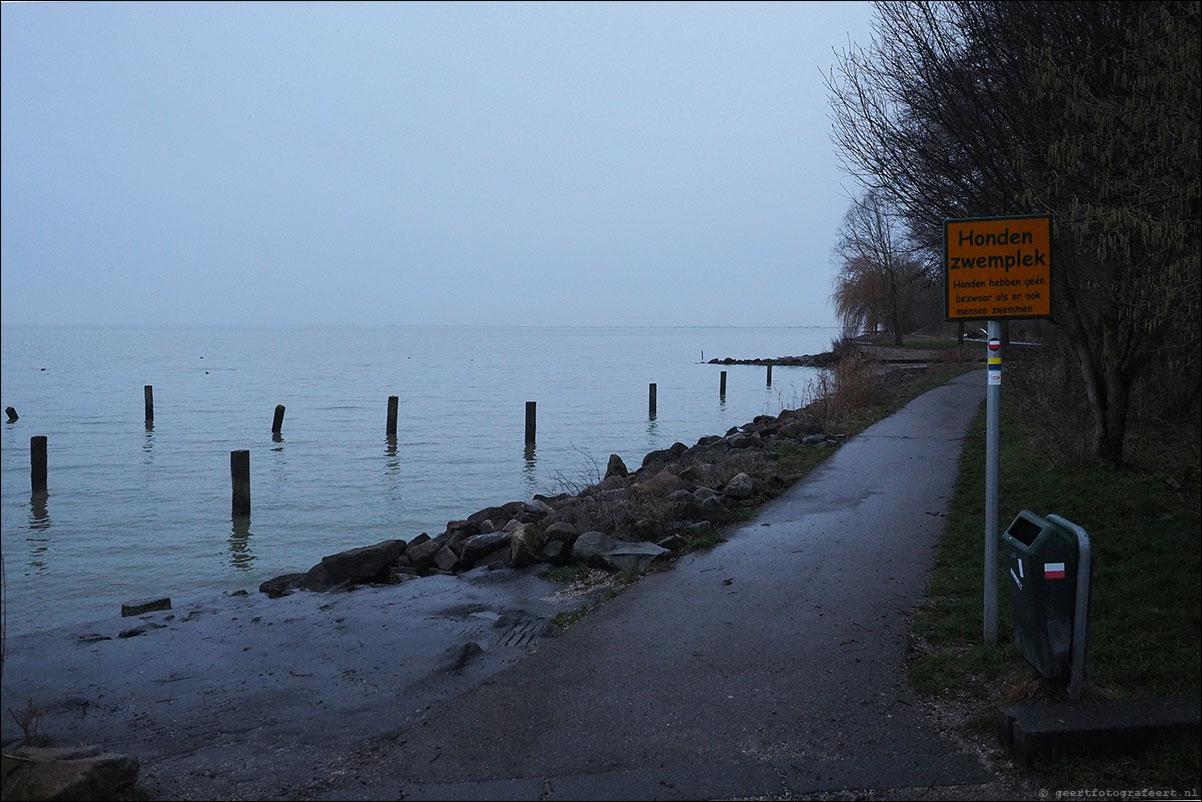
998	267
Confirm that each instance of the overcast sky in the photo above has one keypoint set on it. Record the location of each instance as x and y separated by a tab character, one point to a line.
412	163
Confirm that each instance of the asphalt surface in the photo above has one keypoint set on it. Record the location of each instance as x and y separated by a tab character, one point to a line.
771	665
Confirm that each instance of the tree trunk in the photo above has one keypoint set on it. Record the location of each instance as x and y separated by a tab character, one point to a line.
1108	388
1108	441
895	313
1107	384
1116	387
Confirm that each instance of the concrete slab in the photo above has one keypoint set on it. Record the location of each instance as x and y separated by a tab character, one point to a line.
1028	731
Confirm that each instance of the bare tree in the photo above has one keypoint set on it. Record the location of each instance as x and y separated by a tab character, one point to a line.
879	270
1083	109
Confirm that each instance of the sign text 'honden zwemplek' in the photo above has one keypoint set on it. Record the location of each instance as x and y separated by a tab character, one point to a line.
998	267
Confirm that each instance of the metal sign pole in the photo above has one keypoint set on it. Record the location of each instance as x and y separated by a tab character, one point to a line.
995	269
993	462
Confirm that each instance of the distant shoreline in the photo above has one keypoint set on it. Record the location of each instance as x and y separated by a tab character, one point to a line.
822	360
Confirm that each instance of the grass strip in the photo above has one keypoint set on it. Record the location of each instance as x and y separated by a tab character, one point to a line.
1144	526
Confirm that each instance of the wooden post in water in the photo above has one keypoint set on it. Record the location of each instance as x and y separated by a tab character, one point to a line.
769	374
278	422
722	385
148	392
240	477
393	401
37	463
651	400
530	421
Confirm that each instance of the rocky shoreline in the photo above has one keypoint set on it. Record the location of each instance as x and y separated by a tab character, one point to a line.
676	500
824	360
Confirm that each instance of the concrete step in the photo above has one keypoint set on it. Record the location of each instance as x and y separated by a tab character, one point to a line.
1028	731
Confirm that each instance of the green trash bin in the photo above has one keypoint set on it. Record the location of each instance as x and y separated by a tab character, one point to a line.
1041	566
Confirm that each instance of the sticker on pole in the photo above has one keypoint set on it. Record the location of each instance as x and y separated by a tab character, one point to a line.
998	268
1053	570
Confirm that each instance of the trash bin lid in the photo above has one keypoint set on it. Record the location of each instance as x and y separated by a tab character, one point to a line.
1026	527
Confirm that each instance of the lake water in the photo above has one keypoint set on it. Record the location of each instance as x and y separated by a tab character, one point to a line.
134	511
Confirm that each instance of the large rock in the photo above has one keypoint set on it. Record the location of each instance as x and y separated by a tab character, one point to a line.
665	455
662	484
616	495
445	559
590	546
561	532
421	556
611	483
742	440
626	555
740	487
654	458
537	507
317	578
455	539
796	429
525	546
469	528
82	774
478	546
534	511
616	467
555	552
365	564
567	509
685	500
713	507
599	549
710	452
494	514
281	585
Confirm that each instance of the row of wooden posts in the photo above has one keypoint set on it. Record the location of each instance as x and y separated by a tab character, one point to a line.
240	459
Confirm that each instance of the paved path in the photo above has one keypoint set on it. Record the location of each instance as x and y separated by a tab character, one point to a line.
771	664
